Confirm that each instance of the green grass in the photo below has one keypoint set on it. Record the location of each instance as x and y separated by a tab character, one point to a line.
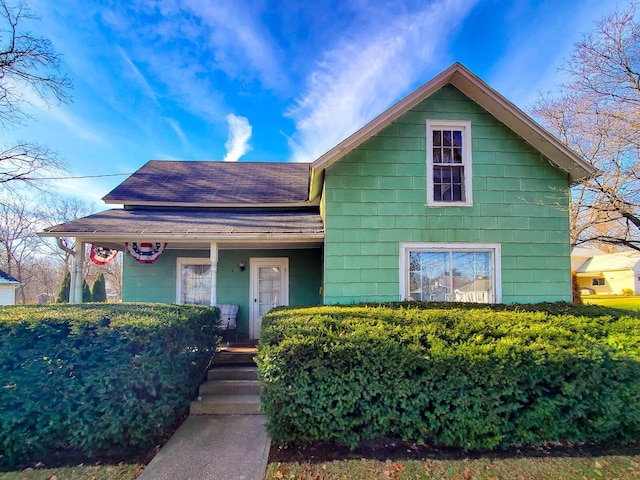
614	301
556	468
121	471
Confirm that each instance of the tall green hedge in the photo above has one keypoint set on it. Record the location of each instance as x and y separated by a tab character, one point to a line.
465	376
98	377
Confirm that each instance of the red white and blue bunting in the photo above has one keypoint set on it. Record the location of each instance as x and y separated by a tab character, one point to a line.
146	252
102	255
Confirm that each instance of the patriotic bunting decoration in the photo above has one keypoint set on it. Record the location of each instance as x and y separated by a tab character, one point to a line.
102	255
146	252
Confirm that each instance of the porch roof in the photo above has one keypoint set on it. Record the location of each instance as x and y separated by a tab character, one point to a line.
113	227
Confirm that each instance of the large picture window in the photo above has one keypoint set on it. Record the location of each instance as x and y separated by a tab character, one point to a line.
193	281
449	163
450	272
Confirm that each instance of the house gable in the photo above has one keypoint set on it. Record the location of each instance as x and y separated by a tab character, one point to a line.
458	76
376	200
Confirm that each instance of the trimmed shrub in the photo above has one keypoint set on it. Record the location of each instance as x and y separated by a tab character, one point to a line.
468	376
86	292
575	288
96	377
99	291
65	288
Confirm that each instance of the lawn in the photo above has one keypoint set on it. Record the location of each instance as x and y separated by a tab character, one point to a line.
556	468
614	301
121	471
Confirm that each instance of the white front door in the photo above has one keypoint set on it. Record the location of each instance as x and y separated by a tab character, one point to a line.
269	288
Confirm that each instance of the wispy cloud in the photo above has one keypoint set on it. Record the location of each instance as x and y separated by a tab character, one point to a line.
76	126
176	128
366	72
511	73
205	44
137	76
239	134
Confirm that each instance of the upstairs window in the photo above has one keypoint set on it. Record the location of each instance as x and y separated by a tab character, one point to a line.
449	163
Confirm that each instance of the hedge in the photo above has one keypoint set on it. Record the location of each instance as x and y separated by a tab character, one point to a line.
466	376
97	377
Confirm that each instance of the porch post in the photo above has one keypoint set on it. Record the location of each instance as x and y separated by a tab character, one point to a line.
214	272
78	262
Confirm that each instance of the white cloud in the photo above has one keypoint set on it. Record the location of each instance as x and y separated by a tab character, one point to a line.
512	75
363	75
61	115
176	128
239	134
138	76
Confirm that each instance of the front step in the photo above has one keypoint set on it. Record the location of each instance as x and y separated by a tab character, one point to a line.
234	358
230	387
233	373
226	405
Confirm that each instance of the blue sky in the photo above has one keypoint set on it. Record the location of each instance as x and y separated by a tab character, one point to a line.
267	80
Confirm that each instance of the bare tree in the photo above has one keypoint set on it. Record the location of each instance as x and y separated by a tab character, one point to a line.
28	64
18	240
57	210
597	113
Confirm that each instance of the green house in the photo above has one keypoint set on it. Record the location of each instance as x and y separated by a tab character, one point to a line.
453	194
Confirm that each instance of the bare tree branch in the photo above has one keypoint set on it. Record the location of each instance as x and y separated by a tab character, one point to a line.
27	62
597	113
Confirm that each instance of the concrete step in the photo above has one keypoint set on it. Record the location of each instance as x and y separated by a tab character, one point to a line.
238	358
233	373
230	387
226	405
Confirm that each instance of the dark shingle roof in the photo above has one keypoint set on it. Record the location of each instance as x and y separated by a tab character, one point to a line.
6	278
214	183
141	222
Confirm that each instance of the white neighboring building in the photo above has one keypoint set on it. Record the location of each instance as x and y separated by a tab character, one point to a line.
8	286
608	273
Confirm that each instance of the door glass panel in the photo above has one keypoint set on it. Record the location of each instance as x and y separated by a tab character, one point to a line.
196	284
268	288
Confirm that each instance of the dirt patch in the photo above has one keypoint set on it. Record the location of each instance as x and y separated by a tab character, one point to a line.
394	449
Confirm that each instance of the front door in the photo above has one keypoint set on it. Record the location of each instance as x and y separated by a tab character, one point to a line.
269	288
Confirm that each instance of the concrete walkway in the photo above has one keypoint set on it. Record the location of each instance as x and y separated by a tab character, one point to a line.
213	447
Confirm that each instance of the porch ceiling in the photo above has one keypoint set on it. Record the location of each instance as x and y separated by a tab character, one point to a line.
196	228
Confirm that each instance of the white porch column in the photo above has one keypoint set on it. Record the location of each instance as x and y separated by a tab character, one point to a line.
72	284
214	272
75	295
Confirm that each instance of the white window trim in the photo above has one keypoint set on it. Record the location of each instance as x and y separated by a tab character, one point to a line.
496	248
467	161
180	261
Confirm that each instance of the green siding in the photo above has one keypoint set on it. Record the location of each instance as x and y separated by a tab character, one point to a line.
376	195
157	282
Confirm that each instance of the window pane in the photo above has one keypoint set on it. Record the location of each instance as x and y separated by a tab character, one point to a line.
457	138
457	155
449	276
427	276
447	155
437	138
474	278
446	138
196	284
437	155
448	184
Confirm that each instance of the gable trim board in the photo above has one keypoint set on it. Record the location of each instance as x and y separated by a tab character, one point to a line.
485	96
